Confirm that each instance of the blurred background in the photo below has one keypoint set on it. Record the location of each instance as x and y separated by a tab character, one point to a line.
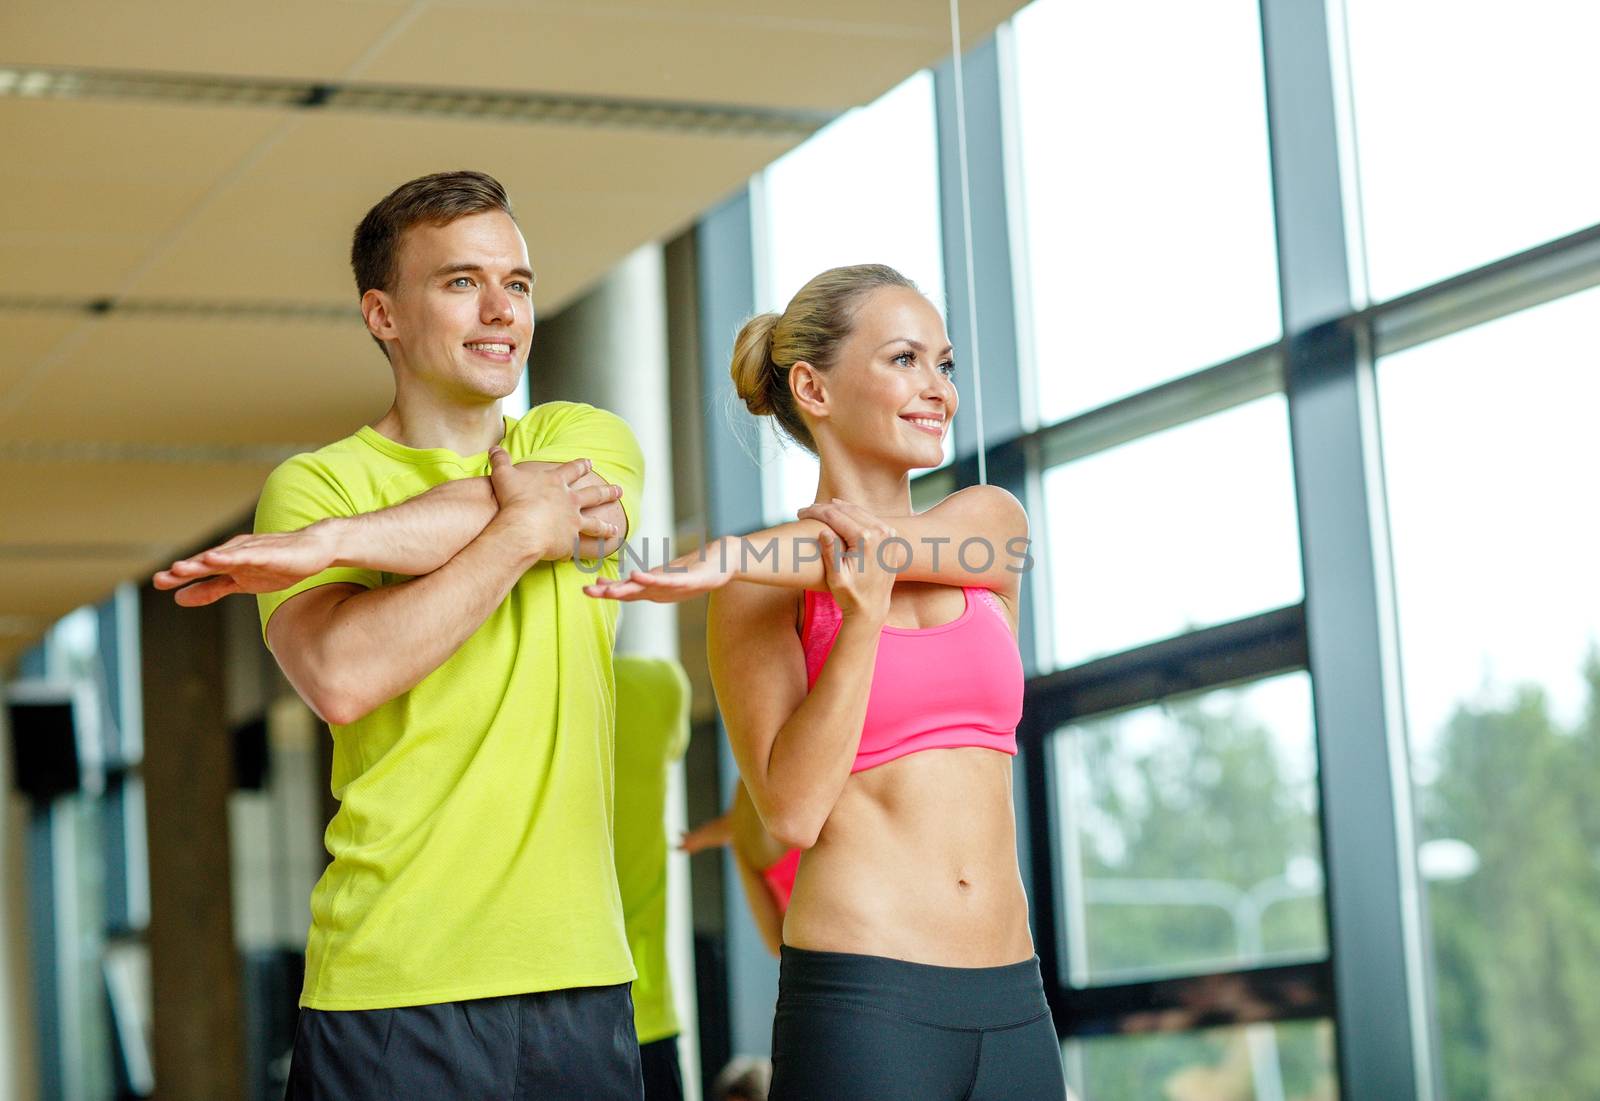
1287	316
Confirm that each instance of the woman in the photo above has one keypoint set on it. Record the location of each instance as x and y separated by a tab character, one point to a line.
872	699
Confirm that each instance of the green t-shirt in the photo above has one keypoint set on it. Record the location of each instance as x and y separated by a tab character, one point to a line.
652	733
472	849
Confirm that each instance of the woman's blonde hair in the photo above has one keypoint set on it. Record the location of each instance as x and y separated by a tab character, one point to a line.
810	329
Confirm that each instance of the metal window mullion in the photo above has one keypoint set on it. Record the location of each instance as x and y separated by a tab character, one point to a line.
725	248
996	340
1373	904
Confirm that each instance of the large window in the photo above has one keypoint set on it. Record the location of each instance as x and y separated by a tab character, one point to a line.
1147	208
1189	835
1475	131
1207	931
1490	449
1286	1062
1188	528
864	190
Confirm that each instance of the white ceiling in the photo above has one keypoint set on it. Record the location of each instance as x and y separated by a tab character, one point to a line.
127	436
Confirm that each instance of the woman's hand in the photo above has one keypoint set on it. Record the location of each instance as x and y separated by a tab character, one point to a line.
857	565
687	576
262	563
713	834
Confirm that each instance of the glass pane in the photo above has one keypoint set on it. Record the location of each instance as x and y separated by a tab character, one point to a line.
1285	1062
1188	528
1147	196
1475	131
1490	451
1189	837
865	190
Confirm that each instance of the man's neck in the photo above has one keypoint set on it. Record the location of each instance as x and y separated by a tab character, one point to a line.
466	430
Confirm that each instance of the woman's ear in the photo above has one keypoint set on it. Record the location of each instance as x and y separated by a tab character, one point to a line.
809	387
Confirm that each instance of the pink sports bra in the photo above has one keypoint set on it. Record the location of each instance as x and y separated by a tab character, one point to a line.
956	684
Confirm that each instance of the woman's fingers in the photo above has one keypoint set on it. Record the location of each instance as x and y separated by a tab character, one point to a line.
843	523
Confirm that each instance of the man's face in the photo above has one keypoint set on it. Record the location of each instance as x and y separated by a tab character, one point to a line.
460	317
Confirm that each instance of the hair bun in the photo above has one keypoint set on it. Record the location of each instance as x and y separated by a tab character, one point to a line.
753	370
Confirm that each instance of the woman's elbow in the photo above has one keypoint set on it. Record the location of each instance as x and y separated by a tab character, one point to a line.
795	828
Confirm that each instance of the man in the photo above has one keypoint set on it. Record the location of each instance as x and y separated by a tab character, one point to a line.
467	940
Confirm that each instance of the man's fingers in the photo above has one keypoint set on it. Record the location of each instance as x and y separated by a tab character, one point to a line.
183	572
206	592
591	496
593	525
572	470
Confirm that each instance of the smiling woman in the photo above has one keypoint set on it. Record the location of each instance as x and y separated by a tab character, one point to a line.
868	688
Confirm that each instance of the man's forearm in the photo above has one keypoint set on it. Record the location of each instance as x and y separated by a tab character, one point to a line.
420	535
382	642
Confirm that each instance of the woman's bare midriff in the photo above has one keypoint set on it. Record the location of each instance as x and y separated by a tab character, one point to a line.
918	861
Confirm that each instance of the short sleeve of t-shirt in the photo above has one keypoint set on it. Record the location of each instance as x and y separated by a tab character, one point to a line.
559	431
301	491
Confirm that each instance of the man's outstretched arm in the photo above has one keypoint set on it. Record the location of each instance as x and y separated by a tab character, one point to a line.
412	538
348	650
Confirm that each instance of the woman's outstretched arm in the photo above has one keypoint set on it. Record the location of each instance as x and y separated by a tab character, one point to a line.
977	536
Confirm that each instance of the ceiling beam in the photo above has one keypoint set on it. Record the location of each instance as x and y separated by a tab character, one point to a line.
532	108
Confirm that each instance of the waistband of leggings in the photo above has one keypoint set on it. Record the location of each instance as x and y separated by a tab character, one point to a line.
950	997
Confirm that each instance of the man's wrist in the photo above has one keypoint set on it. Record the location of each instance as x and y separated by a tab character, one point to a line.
336	534
527	544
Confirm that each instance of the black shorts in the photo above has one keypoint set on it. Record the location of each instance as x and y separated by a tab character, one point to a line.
851	1026
663	1077
557	1044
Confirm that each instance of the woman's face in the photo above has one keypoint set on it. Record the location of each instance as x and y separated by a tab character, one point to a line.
891	392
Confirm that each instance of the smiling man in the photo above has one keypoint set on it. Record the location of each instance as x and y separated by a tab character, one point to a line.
467	940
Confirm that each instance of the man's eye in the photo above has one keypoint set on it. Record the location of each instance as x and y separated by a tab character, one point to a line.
461	280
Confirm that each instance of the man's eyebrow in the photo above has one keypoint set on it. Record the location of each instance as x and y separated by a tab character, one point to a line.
452	269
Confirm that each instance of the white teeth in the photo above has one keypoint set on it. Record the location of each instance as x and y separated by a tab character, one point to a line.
925	422
502	349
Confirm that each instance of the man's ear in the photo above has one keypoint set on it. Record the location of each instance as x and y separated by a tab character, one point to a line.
377	309
810	389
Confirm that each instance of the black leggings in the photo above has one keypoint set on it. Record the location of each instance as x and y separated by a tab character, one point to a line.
877	1029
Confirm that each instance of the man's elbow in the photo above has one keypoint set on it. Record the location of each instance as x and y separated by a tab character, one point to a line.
335	701
338	710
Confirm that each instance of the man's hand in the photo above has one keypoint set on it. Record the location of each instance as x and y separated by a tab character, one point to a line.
546	506
261	563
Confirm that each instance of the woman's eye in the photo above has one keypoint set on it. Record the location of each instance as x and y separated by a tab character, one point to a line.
903	357
947	368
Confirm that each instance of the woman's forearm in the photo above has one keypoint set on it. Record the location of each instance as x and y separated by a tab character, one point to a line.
975	537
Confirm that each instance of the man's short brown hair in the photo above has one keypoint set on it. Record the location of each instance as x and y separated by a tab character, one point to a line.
437	200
